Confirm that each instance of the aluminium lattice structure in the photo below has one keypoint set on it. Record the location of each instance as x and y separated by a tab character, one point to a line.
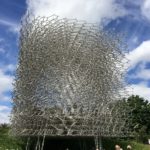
68	81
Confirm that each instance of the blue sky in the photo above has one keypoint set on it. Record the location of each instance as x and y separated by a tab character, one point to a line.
125	16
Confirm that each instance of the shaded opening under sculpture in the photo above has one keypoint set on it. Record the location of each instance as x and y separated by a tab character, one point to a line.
68	81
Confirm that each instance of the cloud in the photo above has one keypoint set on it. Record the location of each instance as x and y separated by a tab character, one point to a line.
5	85
4	108
12	27
4	114
2	45
6	79
89	10
143	74
7	23
141	54
9	67
145	8
138	58
142	90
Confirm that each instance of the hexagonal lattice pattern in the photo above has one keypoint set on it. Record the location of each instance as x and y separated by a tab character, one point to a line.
69	80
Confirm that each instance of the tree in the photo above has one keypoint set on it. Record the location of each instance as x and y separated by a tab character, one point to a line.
140	117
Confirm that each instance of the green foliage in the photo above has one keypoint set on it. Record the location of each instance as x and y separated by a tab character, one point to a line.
140	117
109	144
7	141
140	113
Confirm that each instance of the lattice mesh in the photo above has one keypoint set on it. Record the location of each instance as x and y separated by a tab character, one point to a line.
68	80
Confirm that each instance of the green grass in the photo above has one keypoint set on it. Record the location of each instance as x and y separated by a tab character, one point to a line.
109	144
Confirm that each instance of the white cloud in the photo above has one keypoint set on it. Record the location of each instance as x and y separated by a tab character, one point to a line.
137	60
5	85
7	23
135	39
4	108
89	10
145	8
141	54
2	43
13	27
6	82
143	74
4	114
142	90
10	67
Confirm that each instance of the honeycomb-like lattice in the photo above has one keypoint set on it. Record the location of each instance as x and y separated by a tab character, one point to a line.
69	80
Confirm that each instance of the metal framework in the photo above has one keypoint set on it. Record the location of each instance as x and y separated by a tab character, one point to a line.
69	80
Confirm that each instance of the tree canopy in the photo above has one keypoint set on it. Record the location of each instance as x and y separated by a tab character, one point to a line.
140	116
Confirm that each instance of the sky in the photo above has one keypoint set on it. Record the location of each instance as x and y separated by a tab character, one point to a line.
131	18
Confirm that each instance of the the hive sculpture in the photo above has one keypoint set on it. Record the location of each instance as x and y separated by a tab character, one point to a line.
68	81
